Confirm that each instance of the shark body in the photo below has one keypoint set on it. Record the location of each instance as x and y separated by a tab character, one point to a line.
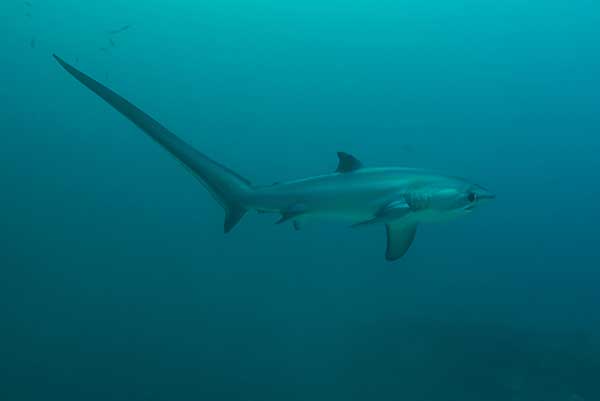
399	198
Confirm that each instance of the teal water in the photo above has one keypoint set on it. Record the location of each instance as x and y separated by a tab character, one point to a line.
117	283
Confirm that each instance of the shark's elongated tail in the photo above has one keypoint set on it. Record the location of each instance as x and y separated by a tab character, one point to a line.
226	186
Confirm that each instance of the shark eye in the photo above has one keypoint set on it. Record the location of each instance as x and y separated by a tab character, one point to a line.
472	197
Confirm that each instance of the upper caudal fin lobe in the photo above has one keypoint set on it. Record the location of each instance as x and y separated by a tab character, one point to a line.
226	186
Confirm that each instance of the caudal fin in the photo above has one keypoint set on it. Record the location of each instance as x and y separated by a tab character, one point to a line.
227	187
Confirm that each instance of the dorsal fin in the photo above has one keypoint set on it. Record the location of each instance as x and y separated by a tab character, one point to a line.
347	163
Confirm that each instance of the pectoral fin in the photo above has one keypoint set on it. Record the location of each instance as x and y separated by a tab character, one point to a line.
390	212
400	236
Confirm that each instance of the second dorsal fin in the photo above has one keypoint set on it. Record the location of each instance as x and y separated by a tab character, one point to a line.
347	163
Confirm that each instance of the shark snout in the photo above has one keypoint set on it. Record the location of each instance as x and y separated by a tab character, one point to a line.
487	196
484	196
478	197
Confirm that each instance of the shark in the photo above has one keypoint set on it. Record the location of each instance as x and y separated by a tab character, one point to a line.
398	198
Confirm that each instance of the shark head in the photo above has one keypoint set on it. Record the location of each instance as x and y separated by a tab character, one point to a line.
453	198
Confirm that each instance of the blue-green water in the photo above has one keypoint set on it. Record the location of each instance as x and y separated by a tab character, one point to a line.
117	283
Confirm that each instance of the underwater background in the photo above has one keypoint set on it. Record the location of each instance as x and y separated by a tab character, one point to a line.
117	282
